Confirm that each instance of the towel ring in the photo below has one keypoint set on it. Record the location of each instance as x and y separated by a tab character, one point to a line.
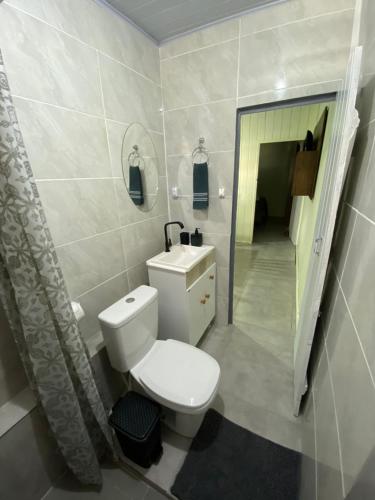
200	150
134	156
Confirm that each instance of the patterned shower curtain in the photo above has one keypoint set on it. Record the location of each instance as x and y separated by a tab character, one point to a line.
34	296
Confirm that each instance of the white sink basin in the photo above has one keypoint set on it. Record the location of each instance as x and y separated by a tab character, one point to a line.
181	258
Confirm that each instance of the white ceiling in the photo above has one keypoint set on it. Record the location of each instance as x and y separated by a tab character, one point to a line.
165	19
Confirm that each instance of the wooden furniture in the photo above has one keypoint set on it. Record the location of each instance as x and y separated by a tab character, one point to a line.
306	166
187	301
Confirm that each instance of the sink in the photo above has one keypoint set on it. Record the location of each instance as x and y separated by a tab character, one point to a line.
181	258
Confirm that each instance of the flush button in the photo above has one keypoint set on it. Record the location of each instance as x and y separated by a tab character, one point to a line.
129	300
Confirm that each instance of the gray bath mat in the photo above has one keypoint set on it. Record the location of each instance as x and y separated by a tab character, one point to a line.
228	462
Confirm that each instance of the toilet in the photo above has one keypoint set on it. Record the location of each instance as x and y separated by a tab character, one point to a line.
182	378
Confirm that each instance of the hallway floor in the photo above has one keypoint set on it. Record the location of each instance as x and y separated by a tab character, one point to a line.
264	291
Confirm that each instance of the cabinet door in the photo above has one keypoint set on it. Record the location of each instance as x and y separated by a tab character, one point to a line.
210	295
202	303
197	310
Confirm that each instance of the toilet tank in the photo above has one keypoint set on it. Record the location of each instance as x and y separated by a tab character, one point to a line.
130	327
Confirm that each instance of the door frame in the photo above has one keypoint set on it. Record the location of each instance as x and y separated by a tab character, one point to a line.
259	108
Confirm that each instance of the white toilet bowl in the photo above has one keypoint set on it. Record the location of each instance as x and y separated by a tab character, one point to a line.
182	378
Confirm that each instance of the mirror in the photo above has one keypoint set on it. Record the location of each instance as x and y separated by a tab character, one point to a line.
140	166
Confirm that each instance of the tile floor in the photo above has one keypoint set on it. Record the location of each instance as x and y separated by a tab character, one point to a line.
118	484
255	392
265	283
256	383
256	387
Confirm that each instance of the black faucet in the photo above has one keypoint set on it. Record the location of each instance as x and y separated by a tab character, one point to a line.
168	242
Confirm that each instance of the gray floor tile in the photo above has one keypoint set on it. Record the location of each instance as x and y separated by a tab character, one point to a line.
153	494
251	372
265	283
124	482
117	485
162	474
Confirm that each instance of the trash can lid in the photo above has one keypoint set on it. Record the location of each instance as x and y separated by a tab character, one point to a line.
135	415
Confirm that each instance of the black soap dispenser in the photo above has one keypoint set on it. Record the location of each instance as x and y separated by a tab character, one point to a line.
196	238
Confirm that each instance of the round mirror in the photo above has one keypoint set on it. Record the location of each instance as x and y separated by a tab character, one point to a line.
140	166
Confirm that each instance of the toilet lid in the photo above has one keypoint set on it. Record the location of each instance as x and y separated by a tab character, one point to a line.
180	373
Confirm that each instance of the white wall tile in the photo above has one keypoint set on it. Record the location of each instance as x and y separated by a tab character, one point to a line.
358	284
360	172
315	50
214	220
308	463
98	299
218	33
328	461
132	98
63	144
198	77
221	242
100	27
87	263
342	239
268	96
221	318
222	282
33	7
138	276
115	37
215	122
76	209
288	12
366	203
46	65
143	240
354	394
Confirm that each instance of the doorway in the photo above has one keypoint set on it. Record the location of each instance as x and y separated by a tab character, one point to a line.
281	158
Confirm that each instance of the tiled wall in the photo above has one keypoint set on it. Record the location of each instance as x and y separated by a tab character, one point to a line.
342	399
293	49
79	75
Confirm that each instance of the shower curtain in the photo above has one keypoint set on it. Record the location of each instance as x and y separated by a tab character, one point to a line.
34	296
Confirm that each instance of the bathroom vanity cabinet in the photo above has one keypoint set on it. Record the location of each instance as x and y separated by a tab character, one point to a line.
187	297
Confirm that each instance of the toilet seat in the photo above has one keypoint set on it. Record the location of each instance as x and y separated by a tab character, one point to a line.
178	375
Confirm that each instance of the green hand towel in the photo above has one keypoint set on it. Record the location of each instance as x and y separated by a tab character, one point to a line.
135	185
200	186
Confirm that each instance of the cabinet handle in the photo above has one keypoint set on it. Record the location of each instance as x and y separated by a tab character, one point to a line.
203	301
207	295
211	277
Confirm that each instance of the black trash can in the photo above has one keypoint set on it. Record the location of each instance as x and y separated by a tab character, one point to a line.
136	420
